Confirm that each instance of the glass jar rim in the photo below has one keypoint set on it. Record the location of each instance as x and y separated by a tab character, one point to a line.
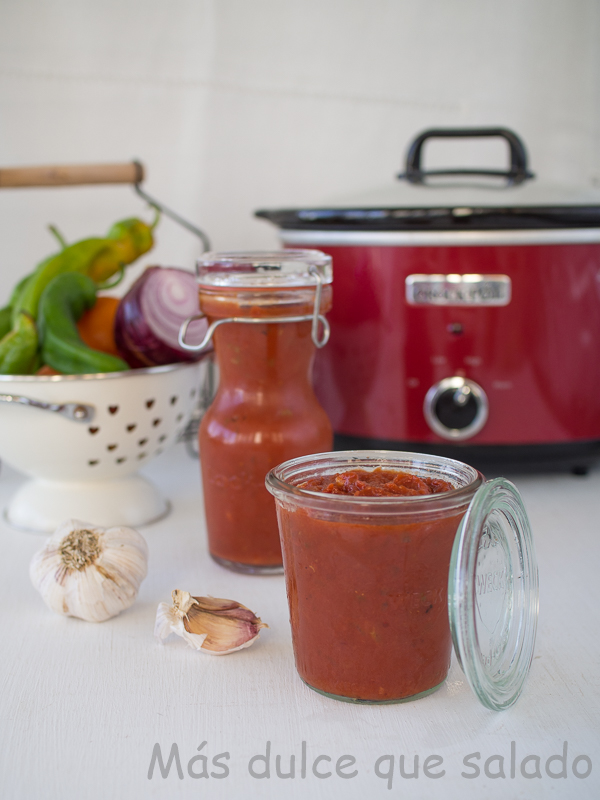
268	269
279	485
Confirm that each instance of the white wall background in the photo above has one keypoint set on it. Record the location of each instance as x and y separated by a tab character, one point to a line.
234	105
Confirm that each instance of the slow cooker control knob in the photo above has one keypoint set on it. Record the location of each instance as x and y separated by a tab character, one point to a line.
456	408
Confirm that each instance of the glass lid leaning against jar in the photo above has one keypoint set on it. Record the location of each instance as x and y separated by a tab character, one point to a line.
390	558
266	315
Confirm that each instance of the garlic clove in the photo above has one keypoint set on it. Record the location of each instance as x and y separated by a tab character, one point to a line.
212	624
169	620
89	572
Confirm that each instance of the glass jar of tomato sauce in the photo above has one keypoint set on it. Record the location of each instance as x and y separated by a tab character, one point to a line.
370	579
266	317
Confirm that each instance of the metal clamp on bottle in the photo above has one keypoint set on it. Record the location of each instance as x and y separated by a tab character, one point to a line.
316	317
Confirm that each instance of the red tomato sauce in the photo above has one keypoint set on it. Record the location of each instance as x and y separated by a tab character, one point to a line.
368	602
376	483
265	412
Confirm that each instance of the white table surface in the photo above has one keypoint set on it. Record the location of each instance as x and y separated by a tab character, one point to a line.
82	705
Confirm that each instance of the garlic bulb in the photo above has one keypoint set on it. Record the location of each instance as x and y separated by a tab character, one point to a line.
88	572
208	623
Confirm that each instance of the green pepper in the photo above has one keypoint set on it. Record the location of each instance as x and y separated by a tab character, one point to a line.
6	316
18	356
134	236
97	258
62	302
6	313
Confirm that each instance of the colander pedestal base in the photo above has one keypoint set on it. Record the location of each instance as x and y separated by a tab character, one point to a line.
41	505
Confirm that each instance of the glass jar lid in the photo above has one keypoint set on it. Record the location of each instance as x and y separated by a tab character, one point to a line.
264	270
493	594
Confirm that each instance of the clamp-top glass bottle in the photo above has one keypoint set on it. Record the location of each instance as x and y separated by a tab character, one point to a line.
266	317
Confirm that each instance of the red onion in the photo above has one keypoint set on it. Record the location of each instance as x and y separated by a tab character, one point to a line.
149	316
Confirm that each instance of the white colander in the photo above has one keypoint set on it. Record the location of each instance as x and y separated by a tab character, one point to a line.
81	439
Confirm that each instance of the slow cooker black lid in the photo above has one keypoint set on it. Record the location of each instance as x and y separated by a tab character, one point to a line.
434	219
454	199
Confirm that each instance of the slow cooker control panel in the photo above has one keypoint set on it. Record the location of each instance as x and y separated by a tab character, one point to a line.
456	408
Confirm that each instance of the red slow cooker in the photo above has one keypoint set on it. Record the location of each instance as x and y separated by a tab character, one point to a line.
466	317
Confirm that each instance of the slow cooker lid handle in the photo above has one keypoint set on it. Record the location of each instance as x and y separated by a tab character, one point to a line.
517	172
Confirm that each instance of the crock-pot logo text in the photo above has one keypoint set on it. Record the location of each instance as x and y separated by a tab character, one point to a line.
458	290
